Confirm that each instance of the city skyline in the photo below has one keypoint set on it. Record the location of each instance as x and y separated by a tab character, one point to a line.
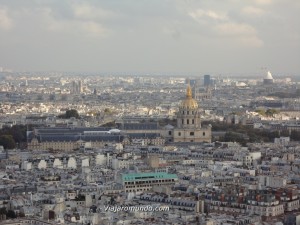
187	37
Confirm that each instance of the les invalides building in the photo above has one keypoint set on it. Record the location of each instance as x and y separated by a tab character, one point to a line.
189	127
188	122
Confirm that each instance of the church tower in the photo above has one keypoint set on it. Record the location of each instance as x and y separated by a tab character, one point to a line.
188	116
188	122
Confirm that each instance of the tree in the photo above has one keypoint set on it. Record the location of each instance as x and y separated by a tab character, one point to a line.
107	111
72	113
18	133
271	112
261	112
3	211
11	214
235	137
7	142
295	135
109	124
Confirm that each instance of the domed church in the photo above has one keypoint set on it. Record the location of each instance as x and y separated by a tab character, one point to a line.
188	122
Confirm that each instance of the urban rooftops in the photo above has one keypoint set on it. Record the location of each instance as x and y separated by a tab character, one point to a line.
148	176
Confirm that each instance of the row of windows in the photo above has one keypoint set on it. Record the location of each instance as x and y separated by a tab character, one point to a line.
188	112
150	181
188	121
34	222
191	133
142	189
134	186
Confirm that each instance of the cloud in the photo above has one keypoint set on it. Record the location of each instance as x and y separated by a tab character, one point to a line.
168	31
6	22
251	41
221	25
244	33
94	29
253	11
263	2
201	14
235	29
172	31
88	12
88	28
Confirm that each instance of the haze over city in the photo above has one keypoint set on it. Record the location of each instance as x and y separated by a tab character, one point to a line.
123	112
148	37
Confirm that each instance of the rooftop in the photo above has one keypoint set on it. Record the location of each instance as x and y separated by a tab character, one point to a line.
147	176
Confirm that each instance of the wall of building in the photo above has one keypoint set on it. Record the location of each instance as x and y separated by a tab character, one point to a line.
192	135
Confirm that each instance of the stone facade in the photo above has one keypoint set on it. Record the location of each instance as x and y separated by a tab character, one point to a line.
189	127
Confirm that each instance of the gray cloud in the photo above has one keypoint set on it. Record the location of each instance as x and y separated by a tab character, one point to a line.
187	36
5	20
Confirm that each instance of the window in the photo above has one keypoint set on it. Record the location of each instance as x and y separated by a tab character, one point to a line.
170	132
203	133
192	121
192	133
188	112
179	133
183	112
188	121
182	121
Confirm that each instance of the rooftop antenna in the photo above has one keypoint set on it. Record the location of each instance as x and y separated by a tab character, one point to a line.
27	136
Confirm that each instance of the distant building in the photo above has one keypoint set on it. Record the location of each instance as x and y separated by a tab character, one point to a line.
203	94
268	79
134	182
76	87
188	127
188	122
207	80
68	139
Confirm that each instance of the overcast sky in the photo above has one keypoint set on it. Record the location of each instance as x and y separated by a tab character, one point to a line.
151	36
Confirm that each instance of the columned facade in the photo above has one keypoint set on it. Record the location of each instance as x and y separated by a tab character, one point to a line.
188	122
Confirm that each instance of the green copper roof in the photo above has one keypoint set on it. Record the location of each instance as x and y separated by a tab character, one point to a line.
147	176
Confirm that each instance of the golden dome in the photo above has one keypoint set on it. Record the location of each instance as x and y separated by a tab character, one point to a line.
189	102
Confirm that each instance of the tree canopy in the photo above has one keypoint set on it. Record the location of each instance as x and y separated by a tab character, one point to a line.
268	112
7	142
243	134
11	214
70	113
